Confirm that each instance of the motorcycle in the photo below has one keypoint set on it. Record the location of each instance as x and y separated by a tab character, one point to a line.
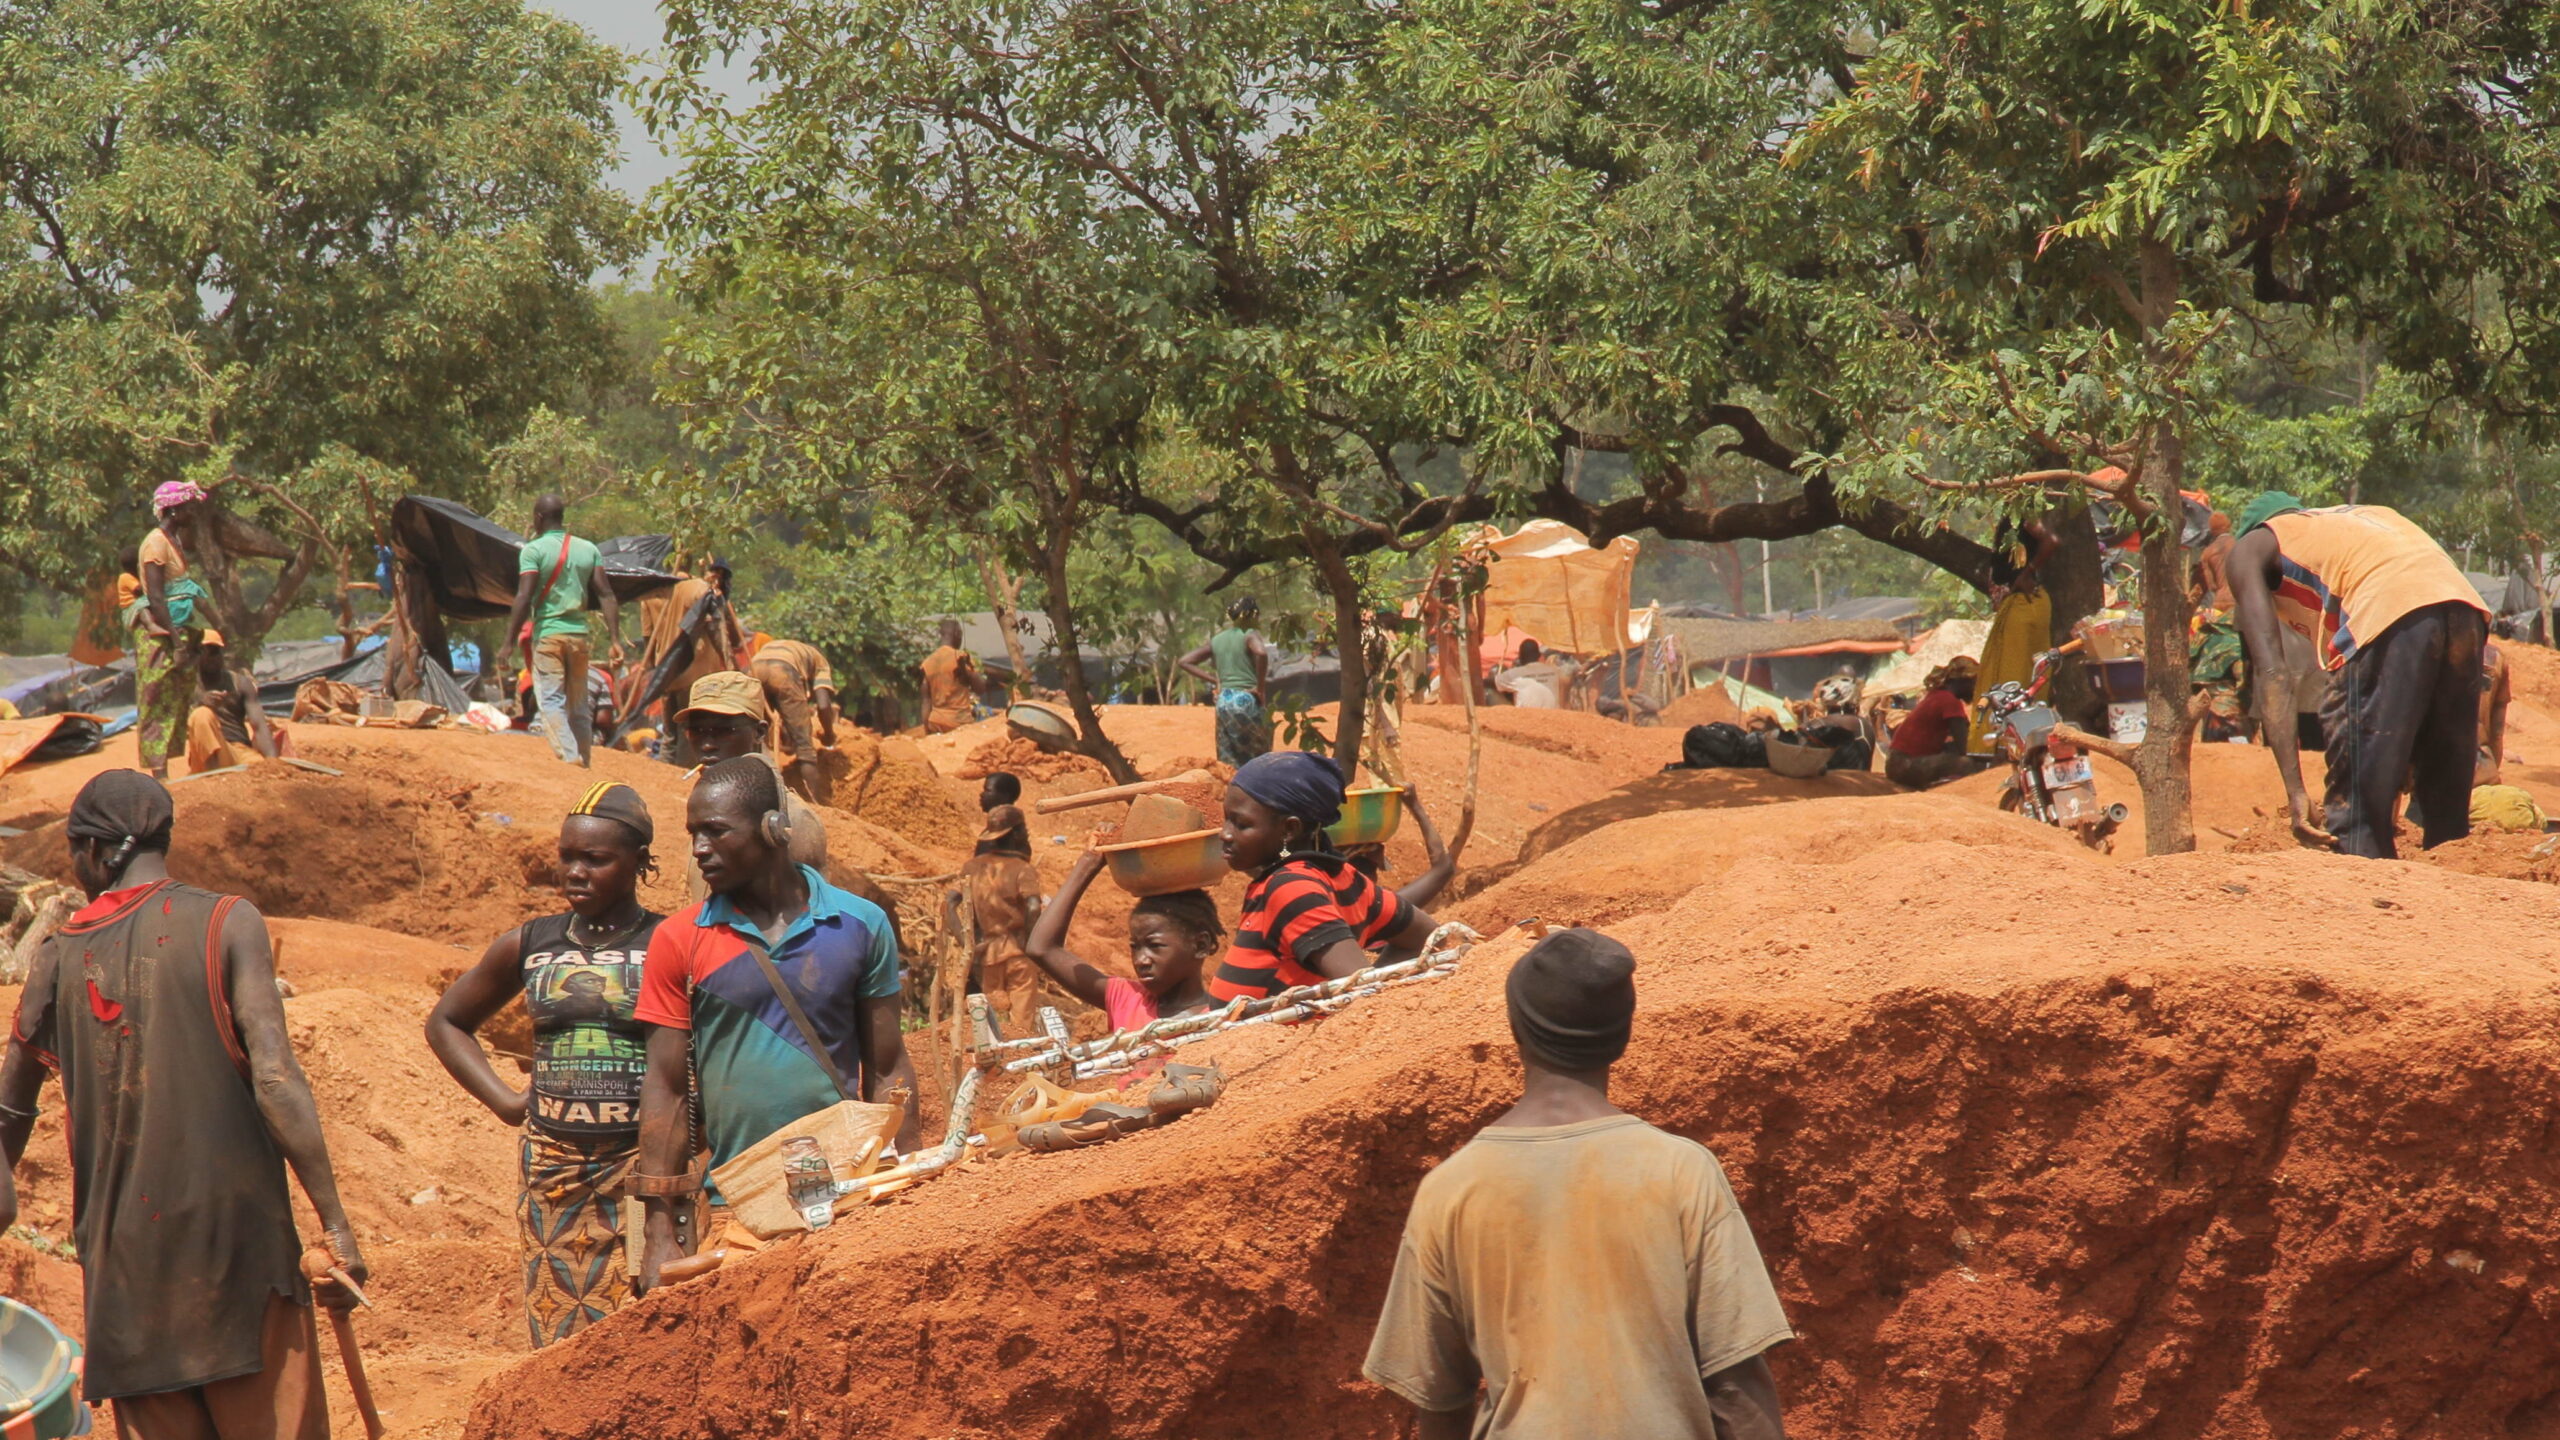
2050	778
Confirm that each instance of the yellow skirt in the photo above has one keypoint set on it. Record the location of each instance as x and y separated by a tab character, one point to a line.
2021	629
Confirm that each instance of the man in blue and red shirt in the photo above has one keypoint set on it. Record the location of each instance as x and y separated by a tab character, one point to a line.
713	1012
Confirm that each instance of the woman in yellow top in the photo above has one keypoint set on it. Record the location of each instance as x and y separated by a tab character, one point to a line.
2021	615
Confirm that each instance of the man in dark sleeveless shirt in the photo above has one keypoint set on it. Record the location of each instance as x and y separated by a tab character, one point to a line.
157	1006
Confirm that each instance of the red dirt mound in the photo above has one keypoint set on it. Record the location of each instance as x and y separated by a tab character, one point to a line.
2056	1155
1701	707
448	835
1686	790
1024	759
1645	863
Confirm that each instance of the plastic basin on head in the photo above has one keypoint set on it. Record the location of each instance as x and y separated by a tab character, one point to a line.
1369	817
39	1376
1175	862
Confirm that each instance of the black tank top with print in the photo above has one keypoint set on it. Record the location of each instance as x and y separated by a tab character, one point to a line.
588	1053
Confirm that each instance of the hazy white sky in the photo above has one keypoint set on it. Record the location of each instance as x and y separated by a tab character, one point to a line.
633	25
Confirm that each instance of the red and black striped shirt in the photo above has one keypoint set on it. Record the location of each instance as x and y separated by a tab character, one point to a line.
1295	912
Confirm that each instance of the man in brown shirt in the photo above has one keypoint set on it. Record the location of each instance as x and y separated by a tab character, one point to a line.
800	688
950	683
1003	892
199	1322
1592	1273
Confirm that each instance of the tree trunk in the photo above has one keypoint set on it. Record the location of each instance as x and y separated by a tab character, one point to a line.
1004	595
1348	611
1090	738
211	544
2163	762
2535	556
2075	580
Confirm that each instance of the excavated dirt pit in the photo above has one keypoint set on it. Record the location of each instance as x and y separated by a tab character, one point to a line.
2035	1145
450	835
2036	1142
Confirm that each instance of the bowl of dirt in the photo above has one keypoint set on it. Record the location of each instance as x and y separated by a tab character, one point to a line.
1370	816
1167	863
1797	762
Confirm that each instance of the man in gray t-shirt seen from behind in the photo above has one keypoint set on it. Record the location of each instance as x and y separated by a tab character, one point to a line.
1589	1273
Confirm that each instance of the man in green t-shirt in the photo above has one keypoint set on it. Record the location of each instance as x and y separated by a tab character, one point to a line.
556	586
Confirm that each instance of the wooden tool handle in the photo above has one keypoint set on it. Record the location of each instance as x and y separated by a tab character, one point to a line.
319	1263
676	1272
345	1325
1105	796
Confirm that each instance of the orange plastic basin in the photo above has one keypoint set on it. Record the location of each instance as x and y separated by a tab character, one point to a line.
1174	862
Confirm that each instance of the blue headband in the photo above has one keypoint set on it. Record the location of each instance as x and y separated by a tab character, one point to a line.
1295	782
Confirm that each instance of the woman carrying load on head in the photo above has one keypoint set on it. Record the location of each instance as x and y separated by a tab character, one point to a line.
1309	914
167	622
1243	681
579	974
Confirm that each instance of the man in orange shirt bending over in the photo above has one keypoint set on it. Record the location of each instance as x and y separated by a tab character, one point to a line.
2390	614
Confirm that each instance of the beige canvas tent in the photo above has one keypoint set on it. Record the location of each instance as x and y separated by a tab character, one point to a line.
1547	579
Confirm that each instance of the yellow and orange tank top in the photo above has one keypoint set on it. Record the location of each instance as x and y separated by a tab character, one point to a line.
2350	572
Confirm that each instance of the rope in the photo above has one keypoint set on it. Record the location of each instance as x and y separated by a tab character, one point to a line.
1120	1050
916	879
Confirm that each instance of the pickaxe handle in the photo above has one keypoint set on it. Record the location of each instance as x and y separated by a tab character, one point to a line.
319	1264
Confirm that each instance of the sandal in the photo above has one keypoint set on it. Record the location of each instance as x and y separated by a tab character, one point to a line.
1037	1099
1094	1126
1185	1088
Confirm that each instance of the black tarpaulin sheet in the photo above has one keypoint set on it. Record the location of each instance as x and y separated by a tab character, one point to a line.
468	561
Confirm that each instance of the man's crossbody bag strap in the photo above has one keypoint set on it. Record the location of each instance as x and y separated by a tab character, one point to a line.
800	1018
534	621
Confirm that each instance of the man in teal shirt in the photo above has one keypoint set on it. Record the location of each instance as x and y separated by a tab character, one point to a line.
556	586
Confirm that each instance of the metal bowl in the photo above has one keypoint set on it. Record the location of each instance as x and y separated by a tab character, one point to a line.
1797	762
1040	725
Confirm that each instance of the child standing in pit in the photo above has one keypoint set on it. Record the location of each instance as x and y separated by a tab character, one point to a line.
1002	892
579	974
1170	938
1309	915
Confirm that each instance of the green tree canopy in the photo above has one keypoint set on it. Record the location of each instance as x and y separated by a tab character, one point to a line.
305	253
1906	266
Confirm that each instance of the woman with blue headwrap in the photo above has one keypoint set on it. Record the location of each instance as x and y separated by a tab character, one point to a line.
1309	914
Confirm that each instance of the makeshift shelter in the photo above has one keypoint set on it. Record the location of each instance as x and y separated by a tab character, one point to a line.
1548	580
1902	612
1785	657
49	737
454	563
53	684
1906	673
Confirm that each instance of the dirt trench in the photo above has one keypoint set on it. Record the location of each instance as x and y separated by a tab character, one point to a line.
2108	1205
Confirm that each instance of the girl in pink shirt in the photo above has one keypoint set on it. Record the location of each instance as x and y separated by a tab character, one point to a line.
1170	938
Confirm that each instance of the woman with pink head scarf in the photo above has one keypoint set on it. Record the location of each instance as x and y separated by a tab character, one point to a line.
167	623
